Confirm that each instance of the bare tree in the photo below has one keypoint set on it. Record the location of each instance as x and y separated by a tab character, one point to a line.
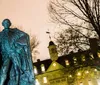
69	40
34	43
87	11
80	17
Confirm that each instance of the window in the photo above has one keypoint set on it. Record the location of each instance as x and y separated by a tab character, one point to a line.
35	70
75	60
67	62
98	54
92	57
44	79
83	58
42	68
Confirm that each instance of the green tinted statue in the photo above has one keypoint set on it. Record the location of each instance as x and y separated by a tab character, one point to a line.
16	68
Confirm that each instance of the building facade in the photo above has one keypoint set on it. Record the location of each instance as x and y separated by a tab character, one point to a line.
81	68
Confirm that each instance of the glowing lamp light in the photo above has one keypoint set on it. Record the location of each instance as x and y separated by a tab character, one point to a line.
87	72
70	76
79	74
95	70
54	64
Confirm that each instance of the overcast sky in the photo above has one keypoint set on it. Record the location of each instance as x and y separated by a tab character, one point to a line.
32	16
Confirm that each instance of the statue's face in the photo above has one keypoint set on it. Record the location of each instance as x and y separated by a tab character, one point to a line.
6	24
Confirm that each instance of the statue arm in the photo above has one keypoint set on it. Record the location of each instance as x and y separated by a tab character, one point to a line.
28	51
24	42
29	56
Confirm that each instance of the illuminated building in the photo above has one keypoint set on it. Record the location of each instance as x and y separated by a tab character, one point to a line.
79	68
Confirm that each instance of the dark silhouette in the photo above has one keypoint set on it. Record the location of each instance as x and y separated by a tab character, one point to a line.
16	68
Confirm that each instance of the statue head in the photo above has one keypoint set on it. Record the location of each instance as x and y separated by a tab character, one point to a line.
6	23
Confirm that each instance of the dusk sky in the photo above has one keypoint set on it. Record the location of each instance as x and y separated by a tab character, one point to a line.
32	17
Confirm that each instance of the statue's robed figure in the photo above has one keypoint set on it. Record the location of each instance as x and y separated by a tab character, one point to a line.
16	67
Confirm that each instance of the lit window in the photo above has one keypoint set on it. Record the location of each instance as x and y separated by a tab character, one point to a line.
92	57
83	58
42	68
75	62
98	54
44	79
74	58
35	70
67	62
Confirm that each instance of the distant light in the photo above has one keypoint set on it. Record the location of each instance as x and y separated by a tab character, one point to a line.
54	64
79	74
70	76
44	79
95	70
87	72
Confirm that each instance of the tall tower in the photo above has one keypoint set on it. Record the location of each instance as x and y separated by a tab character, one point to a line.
53	51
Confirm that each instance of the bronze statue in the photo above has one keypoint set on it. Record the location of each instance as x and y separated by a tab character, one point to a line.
16	68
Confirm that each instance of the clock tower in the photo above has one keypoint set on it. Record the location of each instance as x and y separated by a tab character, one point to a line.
53	51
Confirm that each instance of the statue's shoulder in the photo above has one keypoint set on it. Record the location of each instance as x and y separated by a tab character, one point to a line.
18	31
